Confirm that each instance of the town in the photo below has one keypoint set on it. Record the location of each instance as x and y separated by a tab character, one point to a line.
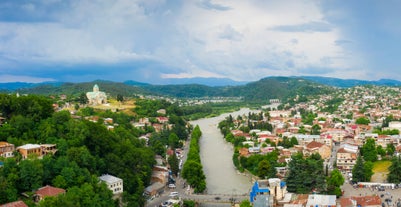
338	133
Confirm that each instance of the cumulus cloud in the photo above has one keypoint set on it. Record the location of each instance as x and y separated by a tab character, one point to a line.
150	39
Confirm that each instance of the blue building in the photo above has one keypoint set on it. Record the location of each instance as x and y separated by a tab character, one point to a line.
264	192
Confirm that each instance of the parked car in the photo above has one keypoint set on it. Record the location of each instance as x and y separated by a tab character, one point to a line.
173	194
171	185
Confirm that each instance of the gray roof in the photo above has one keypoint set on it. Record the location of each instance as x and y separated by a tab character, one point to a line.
109	179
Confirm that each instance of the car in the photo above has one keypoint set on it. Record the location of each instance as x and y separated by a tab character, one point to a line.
171	185
173	194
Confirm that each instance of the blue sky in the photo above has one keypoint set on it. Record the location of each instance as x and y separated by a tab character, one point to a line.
151	40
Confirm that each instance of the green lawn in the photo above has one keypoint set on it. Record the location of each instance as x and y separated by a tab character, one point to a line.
381	166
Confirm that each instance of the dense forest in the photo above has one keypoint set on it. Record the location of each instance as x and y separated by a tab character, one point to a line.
85	150
254	92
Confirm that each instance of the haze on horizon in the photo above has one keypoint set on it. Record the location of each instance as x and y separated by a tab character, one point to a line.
151	40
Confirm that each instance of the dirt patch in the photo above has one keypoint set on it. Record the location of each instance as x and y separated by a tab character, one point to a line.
379	177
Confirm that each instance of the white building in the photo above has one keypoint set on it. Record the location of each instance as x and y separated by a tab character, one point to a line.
115	184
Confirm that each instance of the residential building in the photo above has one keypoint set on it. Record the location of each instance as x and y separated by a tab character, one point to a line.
30	150
115	184
316	147
6	149
346	159
362	201
14	204
47	191
321	200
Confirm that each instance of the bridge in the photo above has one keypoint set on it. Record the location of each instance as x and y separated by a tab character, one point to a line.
215	198
203	198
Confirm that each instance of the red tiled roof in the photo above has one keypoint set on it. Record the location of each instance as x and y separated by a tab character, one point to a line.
341	150
14	204
314	144
49	191
361	201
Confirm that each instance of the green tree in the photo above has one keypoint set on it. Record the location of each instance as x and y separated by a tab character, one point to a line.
362	120
263	169
369	150
394	175
30	174
334	181
120	98
358	171
245	203
390	149
174	164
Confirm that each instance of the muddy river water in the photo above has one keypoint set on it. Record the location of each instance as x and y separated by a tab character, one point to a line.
216	158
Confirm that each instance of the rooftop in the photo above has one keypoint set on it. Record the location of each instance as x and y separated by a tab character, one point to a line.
110	179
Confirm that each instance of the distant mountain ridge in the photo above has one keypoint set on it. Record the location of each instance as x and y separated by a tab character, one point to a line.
258	91
348	83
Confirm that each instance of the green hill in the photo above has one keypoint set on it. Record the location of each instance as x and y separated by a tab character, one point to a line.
258	91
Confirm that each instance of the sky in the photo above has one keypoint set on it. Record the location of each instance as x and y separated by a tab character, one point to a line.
153	40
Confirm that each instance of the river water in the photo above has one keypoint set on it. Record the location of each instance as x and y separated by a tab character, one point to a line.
216	157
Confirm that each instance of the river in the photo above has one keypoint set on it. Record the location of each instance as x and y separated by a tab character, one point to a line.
216	157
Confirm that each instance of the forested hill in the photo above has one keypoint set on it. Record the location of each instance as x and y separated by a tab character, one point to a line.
75	89
262	90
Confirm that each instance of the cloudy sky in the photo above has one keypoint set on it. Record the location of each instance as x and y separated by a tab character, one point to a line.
151	40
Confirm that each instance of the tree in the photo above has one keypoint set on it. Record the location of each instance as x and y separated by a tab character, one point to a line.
394	175
30	174
362	120
174	163
390	149
263	169
369	150
82	99
334	181
358	172
120	98
315	129
300	180
245	203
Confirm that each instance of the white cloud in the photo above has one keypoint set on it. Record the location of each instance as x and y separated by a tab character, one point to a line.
28	79
242	40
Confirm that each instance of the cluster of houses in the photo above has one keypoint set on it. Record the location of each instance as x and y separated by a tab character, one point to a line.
28	151
336	129
37	150
273	192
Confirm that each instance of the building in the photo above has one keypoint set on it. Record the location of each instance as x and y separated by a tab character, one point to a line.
6	149
321	200
30	150
96	97
47	191
346	159
362	201
264	192
14	204
115	184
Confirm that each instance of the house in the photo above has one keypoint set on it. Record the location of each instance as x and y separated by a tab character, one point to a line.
115	184
346	159
6	149
154	190
263	192
30	150
362	201
14	204
316	147
48	149
162	119
47	191
321	200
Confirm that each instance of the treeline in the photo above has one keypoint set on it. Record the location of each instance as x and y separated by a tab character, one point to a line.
283	88
86	150
193	170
